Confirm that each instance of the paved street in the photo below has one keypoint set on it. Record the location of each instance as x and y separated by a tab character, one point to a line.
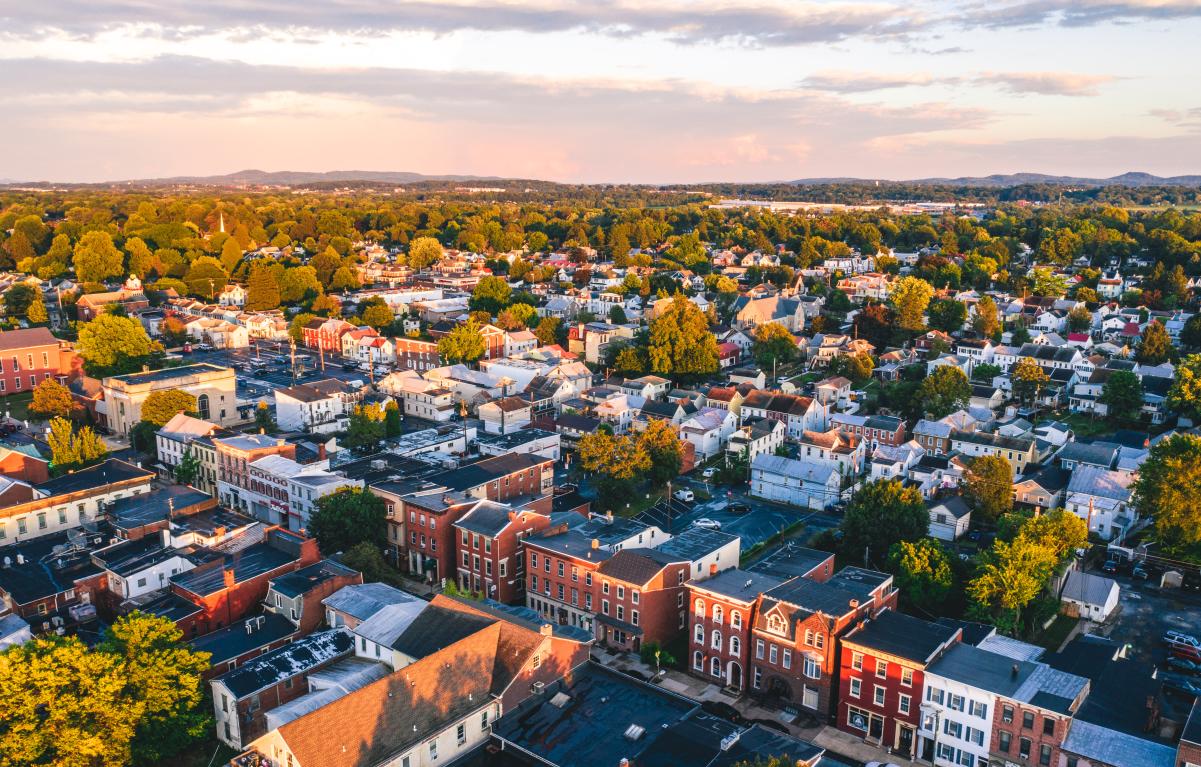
274	367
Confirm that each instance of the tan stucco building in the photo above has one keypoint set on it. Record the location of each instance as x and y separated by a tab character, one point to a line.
213	387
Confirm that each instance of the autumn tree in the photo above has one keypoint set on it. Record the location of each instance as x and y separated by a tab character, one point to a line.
51	399
299	283
376	313
366	427
71	449
989	488
111	345
1122	395
1184	396
393	424
36	313
909	297
263	289
516	317
325	264
944	391
774	344
1028	379
1166	491
1010	576
206	278
617	461
662	445
680	341
424	252
856	367
881	514
987	320
163	405
1080	319
96	258
464	343
548	331
1155	348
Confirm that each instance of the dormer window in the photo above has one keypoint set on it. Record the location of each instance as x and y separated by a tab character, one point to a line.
776	624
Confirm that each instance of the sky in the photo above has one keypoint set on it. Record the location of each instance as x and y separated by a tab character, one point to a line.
639	91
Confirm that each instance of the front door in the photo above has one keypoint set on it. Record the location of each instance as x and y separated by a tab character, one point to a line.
734	676
904	740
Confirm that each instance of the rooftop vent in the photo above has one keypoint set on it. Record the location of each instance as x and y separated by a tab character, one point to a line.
634	732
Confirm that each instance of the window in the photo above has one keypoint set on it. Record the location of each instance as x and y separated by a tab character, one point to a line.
1007	714
461	733
881	668
735	646
773	654
757	678
605	606
813	669
698	660
587	579
819	640
903	704
787	658
907	677
1024	748
952	728
776	624
809	637
621	592
698	607
809	697
856	687
433	749
621	612
857	718
857	661
634	617
604	587
759	649
975	736
955	702
634	597
484	720
575	574
934	695
717	614
977	709
715	641
878	695
1044	755
1027	720
588	601
715	667
1048	726
698	634
560	568
1004	742
533	559
736	619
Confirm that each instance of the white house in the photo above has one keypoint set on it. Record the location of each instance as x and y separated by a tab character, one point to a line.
1101	498
709	431
1090	596
308	487
949	518
812	484
505	415
320	406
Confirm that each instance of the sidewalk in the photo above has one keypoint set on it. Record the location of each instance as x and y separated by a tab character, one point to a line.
843	747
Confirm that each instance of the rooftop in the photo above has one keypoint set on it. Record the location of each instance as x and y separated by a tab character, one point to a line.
244	636
739	585
305	579
790	561
148	508
363	600
93	477
695	543
167	374
902	636
296	658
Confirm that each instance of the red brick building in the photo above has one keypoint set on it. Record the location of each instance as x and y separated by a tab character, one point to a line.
494	338
490	554
414	354
227	589
875	430
422	514
31	355
639	598
23	463
1188	752
881	673
1029	725
326	334
797	630
720	614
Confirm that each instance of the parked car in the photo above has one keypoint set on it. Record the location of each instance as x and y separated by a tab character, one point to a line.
709	472
771	724
684	495
1144	572
1110	567
1191	582
738	508
203	347
1179	637
1181	684
708	524
1183	666
350	367
1188	652
724	710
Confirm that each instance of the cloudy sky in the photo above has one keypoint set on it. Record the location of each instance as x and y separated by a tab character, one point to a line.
656	91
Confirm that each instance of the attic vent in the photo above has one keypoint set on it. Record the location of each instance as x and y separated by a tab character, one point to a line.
560	700
634	732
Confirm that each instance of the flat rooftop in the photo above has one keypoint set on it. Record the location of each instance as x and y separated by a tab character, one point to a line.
169	374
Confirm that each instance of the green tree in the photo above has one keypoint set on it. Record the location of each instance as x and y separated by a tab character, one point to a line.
424	252
909	297
296	327
299	283
989	488
631	360
944	391
985	371
37	314
1011	575
325	264
52	400
857	367
1044	282
206	278
161	406
680	341
1080	319
1190	335
1028	379
377	313
188	468
263	290
1184	397
96	258
231	254
1168	484
881	514
366	427
774	345
1122	395
344	279
18	298
617	462
923	572
348	517
464	343
263	418
662	445
617	315
947	315
548	331
392	419
1058	531
111	345
518	317
1155	348
73	449
491	294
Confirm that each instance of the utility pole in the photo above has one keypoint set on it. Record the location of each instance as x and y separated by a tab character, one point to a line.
292	354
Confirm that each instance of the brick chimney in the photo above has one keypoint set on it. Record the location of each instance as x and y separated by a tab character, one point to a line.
227	573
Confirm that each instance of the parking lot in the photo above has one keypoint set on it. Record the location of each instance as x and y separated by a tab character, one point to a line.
759	523
1147	611
271	373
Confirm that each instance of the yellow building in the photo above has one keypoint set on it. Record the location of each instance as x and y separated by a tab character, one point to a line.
213	387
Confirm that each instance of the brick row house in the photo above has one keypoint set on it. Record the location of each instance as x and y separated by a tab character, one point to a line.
491	560
422	513
882	673
29	356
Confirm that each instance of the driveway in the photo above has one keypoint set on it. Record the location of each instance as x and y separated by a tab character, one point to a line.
1147	611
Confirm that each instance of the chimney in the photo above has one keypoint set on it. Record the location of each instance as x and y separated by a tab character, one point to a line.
609	517
280	443
546	629
227	573
712	570
320	451
1014	671
595	544
145	368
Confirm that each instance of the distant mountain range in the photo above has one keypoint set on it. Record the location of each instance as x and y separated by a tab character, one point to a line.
297	177
1019	179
